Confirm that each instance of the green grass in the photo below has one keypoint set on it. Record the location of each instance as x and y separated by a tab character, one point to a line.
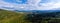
12	17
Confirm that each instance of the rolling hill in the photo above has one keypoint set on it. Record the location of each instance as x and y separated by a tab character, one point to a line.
12	17
29	17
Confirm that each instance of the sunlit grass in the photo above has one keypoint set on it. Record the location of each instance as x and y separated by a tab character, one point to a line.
12	17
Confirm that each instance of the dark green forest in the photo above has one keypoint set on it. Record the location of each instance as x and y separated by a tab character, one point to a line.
52	17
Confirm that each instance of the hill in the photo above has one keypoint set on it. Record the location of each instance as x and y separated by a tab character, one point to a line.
29	17
12	17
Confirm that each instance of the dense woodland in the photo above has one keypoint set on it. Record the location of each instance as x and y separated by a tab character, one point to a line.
52	17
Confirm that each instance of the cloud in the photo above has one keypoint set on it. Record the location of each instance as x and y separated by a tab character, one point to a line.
11	5
31	5
52	5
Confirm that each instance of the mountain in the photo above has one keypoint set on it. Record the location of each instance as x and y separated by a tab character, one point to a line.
38	11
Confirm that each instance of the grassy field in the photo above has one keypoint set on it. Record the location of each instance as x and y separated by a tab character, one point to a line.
12	17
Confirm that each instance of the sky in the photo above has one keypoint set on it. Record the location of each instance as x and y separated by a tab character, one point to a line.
16	1
30	4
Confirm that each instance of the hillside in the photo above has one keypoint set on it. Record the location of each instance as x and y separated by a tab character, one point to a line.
12	17
28	17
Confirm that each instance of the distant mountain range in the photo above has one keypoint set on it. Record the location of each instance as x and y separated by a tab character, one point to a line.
38	11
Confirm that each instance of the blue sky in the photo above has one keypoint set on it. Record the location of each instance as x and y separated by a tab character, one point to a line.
32	4
16	1
45	1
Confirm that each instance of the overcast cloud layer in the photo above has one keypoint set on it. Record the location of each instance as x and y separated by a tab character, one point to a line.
30	5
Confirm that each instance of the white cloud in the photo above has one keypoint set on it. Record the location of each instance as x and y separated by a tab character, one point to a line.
32	5
50	6
10	5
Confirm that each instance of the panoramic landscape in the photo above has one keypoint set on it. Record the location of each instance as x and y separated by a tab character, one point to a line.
29	11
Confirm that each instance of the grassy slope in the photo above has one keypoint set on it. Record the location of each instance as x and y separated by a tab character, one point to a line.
12	17
18	17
